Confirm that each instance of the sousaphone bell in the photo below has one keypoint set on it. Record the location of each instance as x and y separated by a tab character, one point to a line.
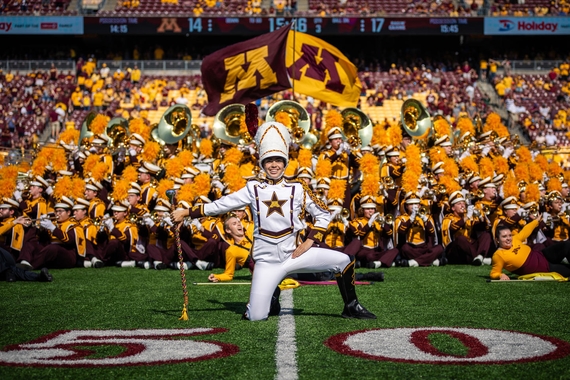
300	121
356	127
227	124
415	119
173	125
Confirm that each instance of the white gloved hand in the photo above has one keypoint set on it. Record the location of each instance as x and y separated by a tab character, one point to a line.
404	160
168	221
425	218
520	211
148	221
47	224
109	224
216	183
49	190
425	160
196	223
413	215
423	191
372	219
416	208
470	210
20	186
252	150
340	149
132	152
508	151
18	195
485	151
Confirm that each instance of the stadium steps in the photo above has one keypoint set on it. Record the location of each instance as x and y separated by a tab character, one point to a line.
110	5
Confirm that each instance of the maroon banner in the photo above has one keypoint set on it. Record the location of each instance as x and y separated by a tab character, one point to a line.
246	71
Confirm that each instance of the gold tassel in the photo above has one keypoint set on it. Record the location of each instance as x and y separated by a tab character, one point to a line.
184	316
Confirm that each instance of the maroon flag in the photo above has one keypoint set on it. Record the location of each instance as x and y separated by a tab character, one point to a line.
246	71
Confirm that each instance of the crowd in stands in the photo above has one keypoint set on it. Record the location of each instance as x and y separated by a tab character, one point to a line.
36	7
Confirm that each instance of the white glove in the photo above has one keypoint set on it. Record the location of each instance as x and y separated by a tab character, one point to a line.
340	149
425	160
372	219
47	224
109	224
20	186
520	211
132	152
425	217
404	160
508	151
470	210
416	208
168	221
423	191
148	221
216	183
18	195
413	215
196	223
49	190
485	151
251	150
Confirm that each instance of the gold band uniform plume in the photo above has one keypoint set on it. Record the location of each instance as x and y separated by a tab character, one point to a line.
493	123
486	168
232	156
173	168
164	185
436	154
39	165
139	127
450	184
90	163
465	125
247	170
524	154
521	172
150	151
369	164
413	171
337	189
501	165
468	165
130	173
99	124
233	179
394	133
186	193
441	128
185	157
554	169
378	135
283	118
305	158
535	172
8	180
78	190
541	160
532	193
99	171
554	184
63	186
323	169
202	184
120	190
206	148
333	119
511	187
69	136
450	167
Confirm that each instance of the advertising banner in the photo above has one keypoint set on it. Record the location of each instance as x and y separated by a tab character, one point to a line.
527	26
41	25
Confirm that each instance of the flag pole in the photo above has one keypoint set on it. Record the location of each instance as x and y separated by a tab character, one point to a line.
294	27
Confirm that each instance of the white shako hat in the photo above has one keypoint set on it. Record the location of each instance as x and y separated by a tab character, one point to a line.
273	139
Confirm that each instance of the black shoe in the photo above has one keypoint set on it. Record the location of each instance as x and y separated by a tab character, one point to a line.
370	265
357	311
10	276
160	266
98	264
45	276
118	263
477	261
403	263
24	266
443	261
374	276
140	264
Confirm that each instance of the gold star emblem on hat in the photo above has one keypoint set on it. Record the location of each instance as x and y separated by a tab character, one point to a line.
274	205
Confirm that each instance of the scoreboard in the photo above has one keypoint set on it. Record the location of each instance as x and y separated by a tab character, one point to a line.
258	25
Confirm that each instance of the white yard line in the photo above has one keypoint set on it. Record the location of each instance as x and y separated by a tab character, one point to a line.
286	348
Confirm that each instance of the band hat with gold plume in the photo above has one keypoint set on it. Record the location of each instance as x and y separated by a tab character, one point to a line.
498	179
368	201
98	140
150	168
178	181
64	202
119	206
137	139
554	195
202	199
136	186
82	154
412	198
64	173
485	135
392	151
323	183
81	204
190	172
334	133
162	205
91	186
487	182
9	203
335	204
474	178
438	168
510	203
443	141
273	140
456	197
184	205
305	172
40	182
529	205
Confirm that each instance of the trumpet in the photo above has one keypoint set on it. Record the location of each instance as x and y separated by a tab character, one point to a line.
476	195
385	219
98	222
343	214
388	182
36	222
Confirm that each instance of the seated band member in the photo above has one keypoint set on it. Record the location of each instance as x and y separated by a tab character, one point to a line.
516	257
414	235
12	227
235	253
80	210
66	243
458	237
278	207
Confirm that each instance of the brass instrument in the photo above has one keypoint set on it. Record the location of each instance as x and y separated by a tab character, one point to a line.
422	211
356	127
343	214
118	133
173	126
429	194
86	133
415	119
441	189
388	182
36	222
385	219
99	222
476	195
227	125
300	122
522	186
320	192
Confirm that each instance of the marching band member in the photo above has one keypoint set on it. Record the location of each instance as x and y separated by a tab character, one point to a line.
278	207
236	252
122	248
557	222
147	172
66	241
458	235
80	210
12	227
161	249
488	203
96	207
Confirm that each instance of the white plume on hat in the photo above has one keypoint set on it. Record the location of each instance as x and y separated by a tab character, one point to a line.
273	139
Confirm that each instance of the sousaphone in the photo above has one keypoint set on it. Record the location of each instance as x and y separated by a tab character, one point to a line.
356	127
227	125
415	119
173	125
299	121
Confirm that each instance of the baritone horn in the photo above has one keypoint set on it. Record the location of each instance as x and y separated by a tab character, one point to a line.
299	121
356	127
227	125
118	132
415	119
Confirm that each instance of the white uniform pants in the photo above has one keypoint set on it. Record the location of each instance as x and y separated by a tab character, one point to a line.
274	262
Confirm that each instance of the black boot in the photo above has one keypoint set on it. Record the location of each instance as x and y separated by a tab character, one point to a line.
275	307
352	308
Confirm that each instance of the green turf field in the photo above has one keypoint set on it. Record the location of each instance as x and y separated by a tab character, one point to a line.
482	328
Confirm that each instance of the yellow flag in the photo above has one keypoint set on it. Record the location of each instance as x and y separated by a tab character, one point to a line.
320	70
